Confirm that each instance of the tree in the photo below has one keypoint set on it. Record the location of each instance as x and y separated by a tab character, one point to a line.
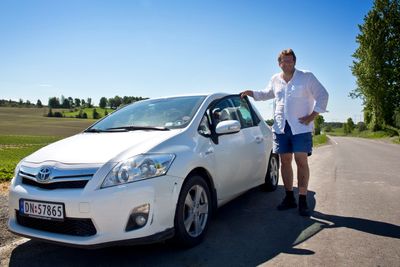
350	125
77	102
103	102
345	128
361	126
71	102
65	103
39	104
377	63
328	128
396	118
318	122
54	102
89	102
117	101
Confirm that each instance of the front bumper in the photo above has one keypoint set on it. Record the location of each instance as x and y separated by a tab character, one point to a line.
108	209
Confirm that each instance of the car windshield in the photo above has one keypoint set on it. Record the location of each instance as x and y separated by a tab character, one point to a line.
152	114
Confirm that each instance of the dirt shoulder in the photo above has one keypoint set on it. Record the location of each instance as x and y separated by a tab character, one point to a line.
5	236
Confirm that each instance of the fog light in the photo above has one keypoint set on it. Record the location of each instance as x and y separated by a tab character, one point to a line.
140	220
138	217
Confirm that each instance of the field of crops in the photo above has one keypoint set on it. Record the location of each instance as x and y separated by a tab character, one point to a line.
25	130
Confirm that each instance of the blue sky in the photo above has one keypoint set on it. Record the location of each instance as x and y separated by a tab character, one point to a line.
153	48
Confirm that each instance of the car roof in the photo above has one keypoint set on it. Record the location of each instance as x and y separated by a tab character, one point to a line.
218	94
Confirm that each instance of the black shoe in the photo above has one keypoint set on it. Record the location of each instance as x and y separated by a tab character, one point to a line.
304	210
287	203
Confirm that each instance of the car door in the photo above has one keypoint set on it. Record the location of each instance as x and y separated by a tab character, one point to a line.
239	157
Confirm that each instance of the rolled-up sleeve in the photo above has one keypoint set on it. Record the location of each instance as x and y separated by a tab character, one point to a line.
266	94
320	95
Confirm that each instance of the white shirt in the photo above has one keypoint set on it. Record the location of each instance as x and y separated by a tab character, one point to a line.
302	95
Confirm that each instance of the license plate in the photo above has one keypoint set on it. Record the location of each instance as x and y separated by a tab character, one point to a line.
42	209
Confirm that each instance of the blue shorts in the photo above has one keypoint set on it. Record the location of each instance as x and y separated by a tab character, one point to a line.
289	143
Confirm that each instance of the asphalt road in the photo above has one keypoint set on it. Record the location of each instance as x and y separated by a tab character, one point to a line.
355	194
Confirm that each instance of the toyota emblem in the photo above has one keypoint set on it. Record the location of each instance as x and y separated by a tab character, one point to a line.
44	174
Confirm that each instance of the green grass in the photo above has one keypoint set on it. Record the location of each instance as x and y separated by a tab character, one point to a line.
25	130
88	111
319	140
363	134
10	140
15	148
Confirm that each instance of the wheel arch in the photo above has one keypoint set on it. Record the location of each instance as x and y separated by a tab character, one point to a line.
209	180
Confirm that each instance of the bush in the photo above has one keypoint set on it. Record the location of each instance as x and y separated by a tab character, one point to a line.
328	128
96	115
361	126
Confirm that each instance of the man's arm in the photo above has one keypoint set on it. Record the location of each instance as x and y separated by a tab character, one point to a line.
309	118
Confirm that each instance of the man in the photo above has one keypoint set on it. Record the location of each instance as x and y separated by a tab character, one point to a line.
298	98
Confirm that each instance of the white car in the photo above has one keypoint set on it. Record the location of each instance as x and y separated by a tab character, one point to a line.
150	171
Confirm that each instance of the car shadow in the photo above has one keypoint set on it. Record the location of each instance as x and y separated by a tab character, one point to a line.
246	232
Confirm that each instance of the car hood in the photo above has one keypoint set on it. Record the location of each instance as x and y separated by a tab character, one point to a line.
98	148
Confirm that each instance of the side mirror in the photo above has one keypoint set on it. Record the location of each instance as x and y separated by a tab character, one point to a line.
227	127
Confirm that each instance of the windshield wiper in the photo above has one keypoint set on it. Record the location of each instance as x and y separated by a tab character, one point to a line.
135	128
93	130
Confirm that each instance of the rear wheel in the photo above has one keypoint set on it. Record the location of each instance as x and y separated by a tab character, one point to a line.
192	212
272	176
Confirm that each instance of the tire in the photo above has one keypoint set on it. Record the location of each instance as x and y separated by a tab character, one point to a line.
193	212
272	176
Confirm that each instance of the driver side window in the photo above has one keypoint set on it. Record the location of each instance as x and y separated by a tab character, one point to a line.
233	108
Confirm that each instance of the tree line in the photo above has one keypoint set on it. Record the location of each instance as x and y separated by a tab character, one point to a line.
20	103
376	66
72	103
113	102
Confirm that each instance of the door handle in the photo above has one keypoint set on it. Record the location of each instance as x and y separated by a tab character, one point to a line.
259	139
209	151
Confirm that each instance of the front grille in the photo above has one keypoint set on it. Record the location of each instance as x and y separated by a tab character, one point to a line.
57	185
70	226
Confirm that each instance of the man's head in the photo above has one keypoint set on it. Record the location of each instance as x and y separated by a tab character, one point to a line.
287	60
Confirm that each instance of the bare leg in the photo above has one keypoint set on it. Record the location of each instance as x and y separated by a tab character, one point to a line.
287	170
303	172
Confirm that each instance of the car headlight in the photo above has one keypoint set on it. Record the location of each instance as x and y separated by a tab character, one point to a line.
137	168
16	171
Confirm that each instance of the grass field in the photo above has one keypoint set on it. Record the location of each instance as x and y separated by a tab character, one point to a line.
88	111
25	130
30	121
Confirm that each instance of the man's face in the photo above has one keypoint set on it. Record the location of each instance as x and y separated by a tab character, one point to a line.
287	64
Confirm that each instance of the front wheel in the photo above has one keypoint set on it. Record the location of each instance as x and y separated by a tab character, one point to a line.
272	176
193	212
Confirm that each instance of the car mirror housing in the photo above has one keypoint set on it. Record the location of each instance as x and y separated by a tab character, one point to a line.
227	127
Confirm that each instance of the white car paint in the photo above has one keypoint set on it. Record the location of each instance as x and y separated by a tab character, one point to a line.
235	164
